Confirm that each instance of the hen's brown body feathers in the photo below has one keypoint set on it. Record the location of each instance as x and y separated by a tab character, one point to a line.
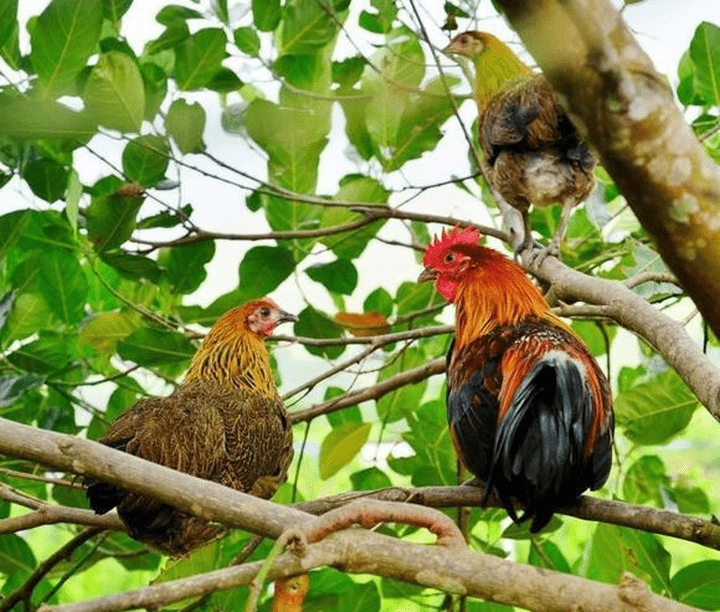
533	153
231	430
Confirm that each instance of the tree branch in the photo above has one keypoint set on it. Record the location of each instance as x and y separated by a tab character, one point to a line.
629	116
353	550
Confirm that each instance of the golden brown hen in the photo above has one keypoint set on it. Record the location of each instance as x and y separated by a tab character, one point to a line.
533	152
226	423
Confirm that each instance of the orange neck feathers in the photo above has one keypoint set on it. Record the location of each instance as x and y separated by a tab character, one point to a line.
496	291
234	355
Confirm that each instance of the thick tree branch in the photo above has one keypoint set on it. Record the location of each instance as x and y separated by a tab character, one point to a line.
628	114
633	312
353	550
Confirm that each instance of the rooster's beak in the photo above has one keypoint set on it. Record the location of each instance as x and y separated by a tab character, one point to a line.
427	274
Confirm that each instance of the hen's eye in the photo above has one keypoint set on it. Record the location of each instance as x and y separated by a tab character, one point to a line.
265	312
450	257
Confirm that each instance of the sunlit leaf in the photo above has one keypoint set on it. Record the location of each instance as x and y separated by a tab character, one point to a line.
42	356
185	123
307	26
340	447
105	330
29	118
64	37
266	14
705	54
645	480
654	411
247	40
369	479
263	269
13	387
113	10
199	57
115	93
16	557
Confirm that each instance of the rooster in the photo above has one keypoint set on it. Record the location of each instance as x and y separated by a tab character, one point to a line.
533	153
530	411
225	423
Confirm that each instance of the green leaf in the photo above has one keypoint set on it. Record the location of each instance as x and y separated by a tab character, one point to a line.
550	552
133	266
331	589
266	14
145	159
347	72
381	21
654	411
174	35
113	10
340	447
315	324
16	557
32	119
379	301
339	276
13	387
45	355
30	313
698	585
63	284
47	178
705	54
198	58
645	480
186	123
353	188
615	550
186	265
151	347
174	12
263	269
247	40
307	27
369	479
115	93
8	20
224	81
104	331
65	35
155	84
397	404
12	226
111	220
690	500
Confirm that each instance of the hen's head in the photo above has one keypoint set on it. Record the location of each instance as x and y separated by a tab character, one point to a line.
259	317
471	44
449	258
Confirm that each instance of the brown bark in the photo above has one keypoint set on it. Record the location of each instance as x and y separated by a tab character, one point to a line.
628	115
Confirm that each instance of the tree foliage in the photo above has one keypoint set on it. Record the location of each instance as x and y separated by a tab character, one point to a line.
153	182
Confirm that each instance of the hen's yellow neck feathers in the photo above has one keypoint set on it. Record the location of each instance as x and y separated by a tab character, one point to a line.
497	293
231	354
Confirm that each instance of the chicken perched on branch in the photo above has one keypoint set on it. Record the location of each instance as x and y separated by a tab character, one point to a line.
530	411
533	153
226	423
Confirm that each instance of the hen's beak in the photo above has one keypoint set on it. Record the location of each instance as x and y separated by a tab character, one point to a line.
428	274
285	317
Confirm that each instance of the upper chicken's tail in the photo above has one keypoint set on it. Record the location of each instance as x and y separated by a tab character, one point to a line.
541	457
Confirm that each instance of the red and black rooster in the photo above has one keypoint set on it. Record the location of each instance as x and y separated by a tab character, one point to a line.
530	411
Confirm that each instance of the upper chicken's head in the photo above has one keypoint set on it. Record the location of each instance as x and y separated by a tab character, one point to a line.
448	259
470	44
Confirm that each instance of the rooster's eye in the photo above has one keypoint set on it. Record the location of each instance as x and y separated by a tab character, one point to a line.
265	312
450	257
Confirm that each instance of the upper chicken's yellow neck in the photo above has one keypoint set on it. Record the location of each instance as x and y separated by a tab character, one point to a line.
495	67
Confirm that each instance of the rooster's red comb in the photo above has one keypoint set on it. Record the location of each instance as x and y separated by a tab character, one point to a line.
454	237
